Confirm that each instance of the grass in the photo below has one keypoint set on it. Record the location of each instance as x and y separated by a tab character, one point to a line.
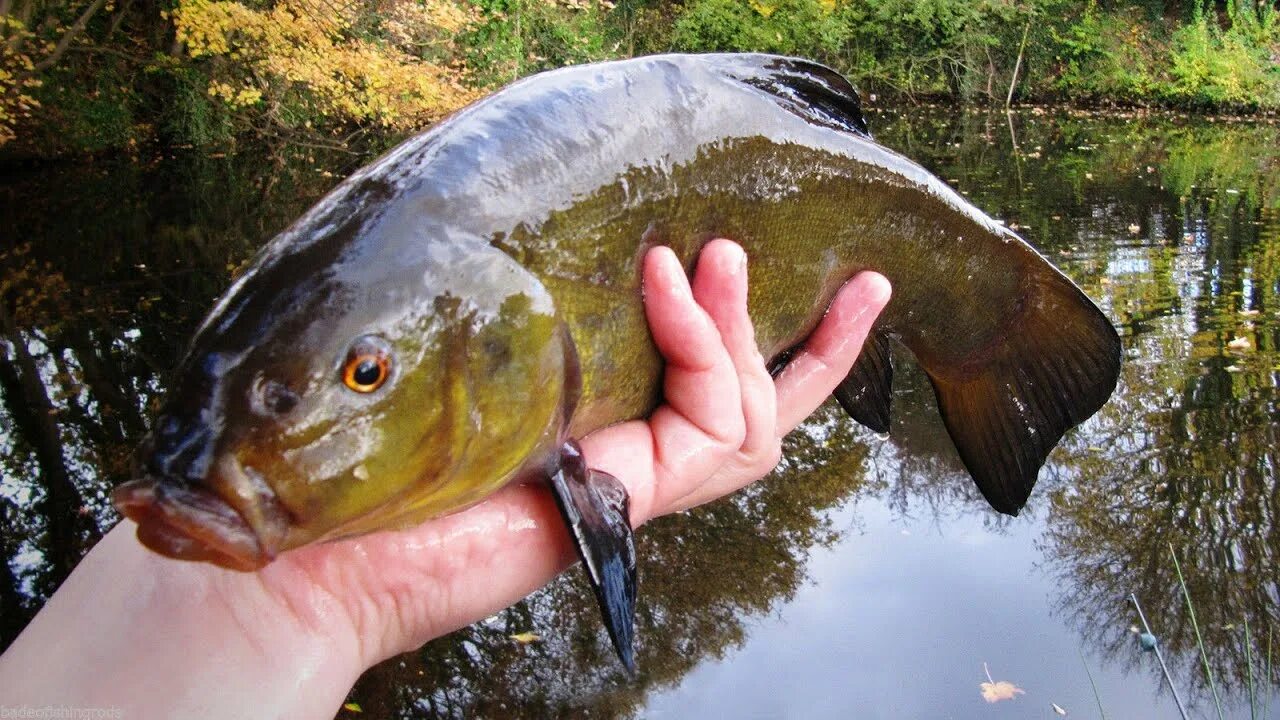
1248	660
1195	625
1092	684
1266	697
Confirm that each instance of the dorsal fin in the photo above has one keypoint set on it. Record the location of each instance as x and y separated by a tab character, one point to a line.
802	87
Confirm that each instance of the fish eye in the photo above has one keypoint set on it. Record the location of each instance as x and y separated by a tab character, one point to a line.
368	364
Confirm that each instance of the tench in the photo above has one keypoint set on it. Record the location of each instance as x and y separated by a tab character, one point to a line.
450	318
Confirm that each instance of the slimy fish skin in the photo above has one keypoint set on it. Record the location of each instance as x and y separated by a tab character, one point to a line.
455	315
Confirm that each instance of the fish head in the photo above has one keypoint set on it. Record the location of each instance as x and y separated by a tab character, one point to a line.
335	395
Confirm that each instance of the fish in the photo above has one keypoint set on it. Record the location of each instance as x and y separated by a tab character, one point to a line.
454	316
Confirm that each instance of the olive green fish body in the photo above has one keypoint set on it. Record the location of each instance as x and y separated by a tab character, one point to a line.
578	171
450	318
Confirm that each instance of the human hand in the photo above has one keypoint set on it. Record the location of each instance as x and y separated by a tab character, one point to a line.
290	639
720	429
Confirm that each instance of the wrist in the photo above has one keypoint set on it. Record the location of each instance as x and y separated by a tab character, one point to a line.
155	637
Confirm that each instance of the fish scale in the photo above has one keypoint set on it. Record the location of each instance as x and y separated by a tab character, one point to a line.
494	260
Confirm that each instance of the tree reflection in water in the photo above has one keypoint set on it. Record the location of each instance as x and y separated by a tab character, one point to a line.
102	285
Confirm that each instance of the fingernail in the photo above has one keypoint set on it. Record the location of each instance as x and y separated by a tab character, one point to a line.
741	265
880	290
733	261
678	281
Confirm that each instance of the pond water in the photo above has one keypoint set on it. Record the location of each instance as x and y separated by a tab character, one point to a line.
866	578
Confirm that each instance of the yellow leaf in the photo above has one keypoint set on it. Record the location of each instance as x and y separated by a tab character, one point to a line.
525	638
353	707
997	691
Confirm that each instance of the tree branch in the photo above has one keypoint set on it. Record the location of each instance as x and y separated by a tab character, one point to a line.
1008	100
119	18
65	42
109	51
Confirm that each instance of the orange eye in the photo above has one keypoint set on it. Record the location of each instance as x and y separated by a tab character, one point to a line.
368	365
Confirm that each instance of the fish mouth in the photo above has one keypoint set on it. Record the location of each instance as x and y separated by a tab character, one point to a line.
232	529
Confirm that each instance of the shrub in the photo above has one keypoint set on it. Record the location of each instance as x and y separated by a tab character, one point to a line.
514	38
1116	54
812	28
1231	67
295	64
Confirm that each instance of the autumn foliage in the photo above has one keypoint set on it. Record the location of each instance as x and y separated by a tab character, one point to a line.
385	64
34	36
85	76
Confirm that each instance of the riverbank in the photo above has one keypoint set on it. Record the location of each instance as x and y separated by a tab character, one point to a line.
86	76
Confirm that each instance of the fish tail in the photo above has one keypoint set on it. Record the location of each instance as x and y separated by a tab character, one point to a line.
1010	403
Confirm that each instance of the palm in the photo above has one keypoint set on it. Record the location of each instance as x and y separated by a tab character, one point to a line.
720	429
184	639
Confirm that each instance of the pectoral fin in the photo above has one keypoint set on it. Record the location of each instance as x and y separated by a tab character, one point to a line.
867	389
595	508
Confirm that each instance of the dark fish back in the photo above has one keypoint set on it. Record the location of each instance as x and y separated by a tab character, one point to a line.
805	88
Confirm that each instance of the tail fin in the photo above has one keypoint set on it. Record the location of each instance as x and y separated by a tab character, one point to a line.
1007	406
1006	409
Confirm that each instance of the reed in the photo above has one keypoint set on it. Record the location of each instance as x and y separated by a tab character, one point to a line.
1092	684
1195	625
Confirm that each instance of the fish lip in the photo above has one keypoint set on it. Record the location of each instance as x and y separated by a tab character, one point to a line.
189	522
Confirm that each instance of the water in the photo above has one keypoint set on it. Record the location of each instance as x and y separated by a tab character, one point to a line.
866	578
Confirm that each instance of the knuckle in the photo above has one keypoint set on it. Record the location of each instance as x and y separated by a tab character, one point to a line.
732	438
770	457
759	460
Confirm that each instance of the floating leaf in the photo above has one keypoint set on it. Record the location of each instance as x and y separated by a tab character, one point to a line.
525	638
997	691
993	691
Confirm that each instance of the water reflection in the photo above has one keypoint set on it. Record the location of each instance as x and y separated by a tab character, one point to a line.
106	270
1183	459
1173	226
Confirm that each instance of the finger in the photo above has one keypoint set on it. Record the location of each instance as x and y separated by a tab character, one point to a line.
720	287
701	424
831	350
699	382
683	332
